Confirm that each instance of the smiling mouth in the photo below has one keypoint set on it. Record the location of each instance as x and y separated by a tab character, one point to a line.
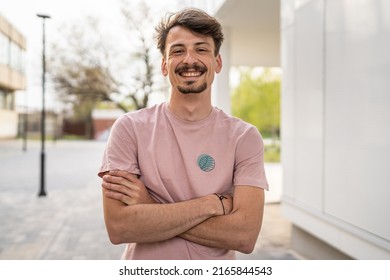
194	71
191	74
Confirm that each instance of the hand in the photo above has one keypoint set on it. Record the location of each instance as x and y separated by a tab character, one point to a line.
126	187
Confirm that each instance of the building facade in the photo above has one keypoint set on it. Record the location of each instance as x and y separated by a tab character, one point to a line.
335	114
12	76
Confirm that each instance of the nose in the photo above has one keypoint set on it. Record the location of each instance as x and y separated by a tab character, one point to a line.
189	58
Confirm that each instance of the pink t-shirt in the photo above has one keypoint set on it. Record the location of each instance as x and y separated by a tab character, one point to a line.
179	160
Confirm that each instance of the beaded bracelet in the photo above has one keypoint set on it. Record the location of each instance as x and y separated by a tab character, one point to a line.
221	197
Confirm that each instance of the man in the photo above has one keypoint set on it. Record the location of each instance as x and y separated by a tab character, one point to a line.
183	180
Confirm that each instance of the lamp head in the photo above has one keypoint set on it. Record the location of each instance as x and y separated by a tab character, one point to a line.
44	16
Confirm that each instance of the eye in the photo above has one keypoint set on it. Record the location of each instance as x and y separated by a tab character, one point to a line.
201	50
177	51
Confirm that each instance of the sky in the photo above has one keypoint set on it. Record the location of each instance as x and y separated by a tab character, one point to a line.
23	15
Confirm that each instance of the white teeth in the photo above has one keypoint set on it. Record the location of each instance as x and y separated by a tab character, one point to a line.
191	74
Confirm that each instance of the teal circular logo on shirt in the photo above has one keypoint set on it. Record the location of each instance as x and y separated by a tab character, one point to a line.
206	162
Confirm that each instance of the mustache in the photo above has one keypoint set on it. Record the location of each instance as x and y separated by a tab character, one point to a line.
186	67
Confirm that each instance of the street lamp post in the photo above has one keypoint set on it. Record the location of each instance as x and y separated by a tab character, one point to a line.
42	191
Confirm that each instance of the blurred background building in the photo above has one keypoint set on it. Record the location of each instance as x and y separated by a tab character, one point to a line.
335	114
12	76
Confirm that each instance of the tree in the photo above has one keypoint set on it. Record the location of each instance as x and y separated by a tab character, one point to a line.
89	67
257	101
139	23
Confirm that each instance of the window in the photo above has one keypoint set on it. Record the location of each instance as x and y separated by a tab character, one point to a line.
7	101
4	42
2	99
11	54
15	54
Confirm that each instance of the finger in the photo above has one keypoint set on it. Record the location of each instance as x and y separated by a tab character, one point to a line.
118	181
120	197
125	174
118	188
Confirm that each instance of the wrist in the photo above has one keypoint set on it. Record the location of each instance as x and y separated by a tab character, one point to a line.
212	205
221	205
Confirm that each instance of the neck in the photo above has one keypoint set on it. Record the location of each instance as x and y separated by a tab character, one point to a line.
190	107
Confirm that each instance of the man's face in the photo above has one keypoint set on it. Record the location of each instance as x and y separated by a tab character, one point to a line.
189	61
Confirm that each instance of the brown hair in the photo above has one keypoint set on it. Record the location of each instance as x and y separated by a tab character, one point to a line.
193	19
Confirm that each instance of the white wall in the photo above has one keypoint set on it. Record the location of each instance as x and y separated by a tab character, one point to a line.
221	87
335	122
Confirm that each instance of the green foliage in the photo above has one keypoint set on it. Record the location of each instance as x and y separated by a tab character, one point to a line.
256	100
272	152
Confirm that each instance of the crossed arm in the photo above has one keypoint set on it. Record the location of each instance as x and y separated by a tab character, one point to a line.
131	215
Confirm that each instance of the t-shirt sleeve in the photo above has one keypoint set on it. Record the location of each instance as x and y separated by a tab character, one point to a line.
249	163
121	151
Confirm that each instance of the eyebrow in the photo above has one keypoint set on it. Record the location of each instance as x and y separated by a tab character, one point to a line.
196	44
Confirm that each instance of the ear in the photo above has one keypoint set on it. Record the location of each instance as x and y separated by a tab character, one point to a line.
164	69
218	61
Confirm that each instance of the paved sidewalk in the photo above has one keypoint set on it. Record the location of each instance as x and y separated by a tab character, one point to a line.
68	223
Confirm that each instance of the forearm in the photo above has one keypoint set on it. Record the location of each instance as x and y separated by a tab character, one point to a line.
222	232
155	222
236	231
